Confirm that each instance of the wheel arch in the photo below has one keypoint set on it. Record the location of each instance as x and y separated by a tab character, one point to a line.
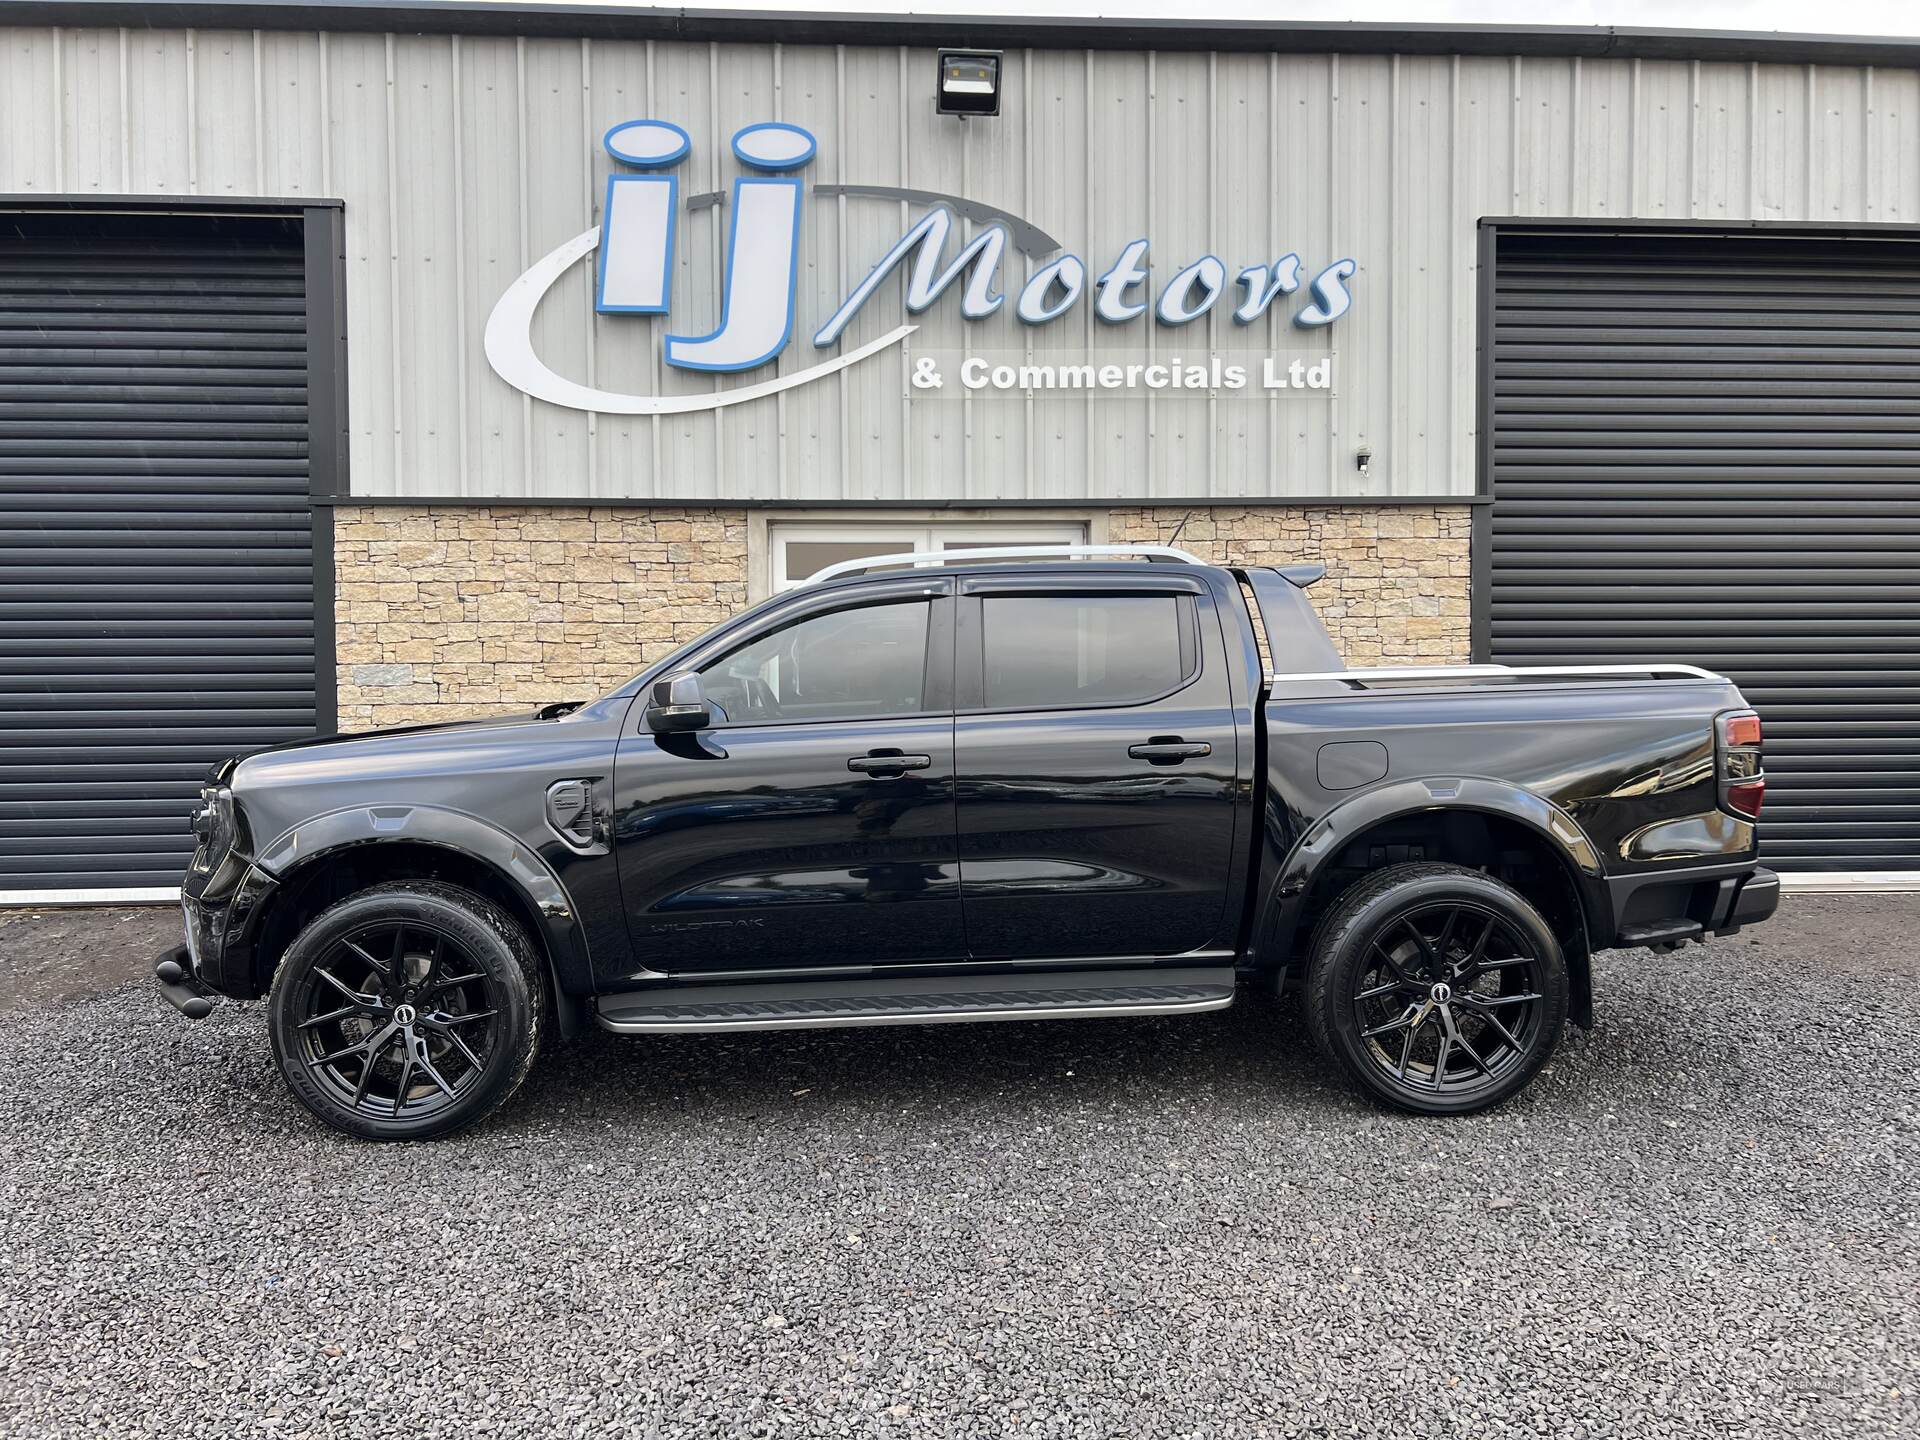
347	850
1509	820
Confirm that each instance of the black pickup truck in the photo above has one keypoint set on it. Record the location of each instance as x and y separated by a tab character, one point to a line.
986	785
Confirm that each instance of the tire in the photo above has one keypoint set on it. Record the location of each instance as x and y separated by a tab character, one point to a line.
407	1011
1431	1014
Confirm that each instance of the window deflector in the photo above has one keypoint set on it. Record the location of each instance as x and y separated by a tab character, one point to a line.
936	696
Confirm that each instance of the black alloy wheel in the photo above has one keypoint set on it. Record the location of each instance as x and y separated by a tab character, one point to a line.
406	1011
1431	1002
399	1019
1440	989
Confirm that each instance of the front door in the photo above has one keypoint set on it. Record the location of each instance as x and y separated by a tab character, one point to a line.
812	825
1095	742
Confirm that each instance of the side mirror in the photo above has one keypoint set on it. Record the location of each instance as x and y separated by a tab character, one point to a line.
678	704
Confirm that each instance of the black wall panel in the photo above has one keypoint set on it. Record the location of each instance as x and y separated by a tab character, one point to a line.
156	536
1706	448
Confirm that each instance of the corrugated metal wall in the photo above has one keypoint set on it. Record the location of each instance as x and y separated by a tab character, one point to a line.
461	160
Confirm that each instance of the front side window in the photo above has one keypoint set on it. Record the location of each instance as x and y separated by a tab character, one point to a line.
844	665
1047	650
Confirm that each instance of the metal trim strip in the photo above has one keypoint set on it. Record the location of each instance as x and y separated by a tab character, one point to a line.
155	895
572	21
1476	672
796	506
1850	882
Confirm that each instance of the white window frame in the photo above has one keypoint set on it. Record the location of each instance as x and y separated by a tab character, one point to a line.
904	532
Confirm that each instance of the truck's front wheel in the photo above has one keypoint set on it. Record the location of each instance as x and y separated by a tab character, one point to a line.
406	1011
1437	988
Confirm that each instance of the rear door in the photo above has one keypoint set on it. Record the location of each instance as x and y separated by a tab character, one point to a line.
1095	752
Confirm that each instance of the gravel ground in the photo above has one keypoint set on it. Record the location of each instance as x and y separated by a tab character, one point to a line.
63	954
1701	1221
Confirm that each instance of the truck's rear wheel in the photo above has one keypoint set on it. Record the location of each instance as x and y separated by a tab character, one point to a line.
406	1011
1438	989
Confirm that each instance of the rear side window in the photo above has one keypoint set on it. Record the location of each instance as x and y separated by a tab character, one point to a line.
1048	650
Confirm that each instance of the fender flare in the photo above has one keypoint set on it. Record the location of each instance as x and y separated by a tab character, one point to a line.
562	938
1283	892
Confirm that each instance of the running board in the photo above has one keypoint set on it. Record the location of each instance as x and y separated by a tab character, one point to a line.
920	1000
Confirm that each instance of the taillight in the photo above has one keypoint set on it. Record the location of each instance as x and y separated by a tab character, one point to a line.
1743	784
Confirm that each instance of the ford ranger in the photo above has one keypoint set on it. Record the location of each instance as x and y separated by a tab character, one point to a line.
1004	784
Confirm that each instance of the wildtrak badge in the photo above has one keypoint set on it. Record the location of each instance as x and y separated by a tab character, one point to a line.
641	220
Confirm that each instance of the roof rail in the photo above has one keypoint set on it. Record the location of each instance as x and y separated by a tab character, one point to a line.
1005	552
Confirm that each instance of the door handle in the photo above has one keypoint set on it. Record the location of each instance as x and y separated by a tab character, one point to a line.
888	765
1170	751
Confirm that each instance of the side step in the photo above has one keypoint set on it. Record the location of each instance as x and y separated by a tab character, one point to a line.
920	1000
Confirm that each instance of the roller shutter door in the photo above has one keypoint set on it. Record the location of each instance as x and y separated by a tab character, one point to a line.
1706	448
156	536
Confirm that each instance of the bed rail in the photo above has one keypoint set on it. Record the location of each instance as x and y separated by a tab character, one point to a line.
1387	676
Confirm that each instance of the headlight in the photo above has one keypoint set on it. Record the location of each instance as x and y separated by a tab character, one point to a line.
213	826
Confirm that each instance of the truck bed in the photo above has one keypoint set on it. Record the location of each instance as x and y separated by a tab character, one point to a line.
1615	765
